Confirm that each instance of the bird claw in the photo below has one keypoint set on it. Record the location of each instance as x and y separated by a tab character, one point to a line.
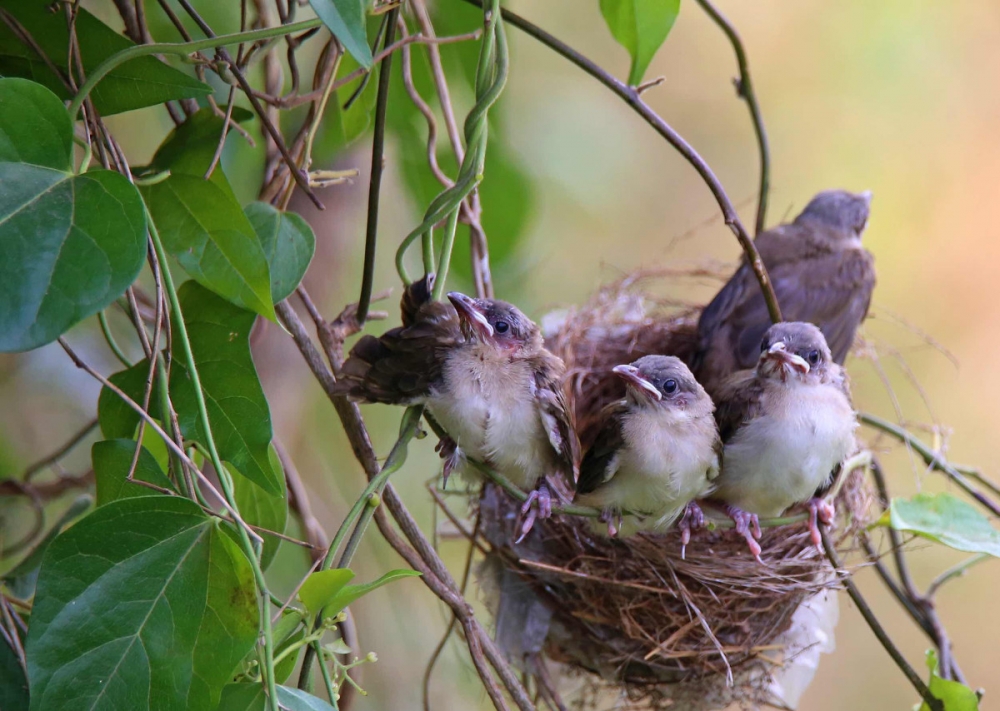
747	525
693	518
820	511
538	505
608	516
448	449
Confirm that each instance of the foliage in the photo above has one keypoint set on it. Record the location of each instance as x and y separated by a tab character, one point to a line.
955	696
640	26
946	519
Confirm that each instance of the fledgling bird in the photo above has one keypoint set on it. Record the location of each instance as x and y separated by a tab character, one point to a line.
658	449
821	274
786	426
480	369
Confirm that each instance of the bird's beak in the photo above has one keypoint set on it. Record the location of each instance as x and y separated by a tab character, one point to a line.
780	355
630	374
470	314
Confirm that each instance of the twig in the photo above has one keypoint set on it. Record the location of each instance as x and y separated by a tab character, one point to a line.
632	98
876	627
744	89
61	452
299	501
375	179
956	571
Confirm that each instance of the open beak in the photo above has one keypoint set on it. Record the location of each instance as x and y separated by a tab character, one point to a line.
470	314
630	374
790	361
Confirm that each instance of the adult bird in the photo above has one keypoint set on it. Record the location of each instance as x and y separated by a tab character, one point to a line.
479	368
658	449
786	427
821	274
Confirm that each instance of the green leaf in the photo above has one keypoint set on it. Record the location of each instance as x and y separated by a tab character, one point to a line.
263	509
69	246
13	683
20	580
144	81
322	586
190	147
341	126
34	126
145	603
349	593
203	226
243	696
946	519
298	700
956	696
288	243
346	20
111	461
237	408
640	26
286	632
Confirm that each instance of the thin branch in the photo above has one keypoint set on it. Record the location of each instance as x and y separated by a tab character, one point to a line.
744	89
956	571
631	97
61	452
375	179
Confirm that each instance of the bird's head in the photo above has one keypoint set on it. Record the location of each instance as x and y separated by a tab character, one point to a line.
794	350
839	209
496	323
662	381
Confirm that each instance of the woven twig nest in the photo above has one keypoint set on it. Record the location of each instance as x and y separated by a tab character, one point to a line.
658	627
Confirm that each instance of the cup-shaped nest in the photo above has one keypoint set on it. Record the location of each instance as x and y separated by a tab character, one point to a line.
634	611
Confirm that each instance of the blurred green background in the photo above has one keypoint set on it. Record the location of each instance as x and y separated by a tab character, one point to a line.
901	98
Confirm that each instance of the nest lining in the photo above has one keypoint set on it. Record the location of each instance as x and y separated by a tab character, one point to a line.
633	611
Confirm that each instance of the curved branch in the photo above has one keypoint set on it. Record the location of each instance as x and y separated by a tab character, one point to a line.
630	96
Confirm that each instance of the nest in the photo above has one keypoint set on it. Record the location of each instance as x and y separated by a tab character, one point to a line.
657	627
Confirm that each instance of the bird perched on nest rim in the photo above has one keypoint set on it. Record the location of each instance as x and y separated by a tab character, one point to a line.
786	426
658	449
481	371
820	273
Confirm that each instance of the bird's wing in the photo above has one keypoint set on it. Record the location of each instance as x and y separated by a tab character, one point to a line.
832	291
737	402
556	414
598	464
400	366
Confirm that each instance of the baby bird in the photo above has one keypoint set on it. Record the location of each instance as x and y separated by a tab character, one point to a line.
786	426
481	371
658	449
821	274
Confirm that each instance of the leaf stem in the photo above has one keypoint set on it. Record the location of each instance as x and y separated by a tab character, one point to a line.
181	48
225	480
102	317
631	97
955	571
375	179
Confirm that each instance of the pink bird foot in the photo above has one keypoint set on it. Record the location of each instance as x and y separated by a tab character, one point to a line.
820	511
748	526
448	449
693	519
538	505
614	522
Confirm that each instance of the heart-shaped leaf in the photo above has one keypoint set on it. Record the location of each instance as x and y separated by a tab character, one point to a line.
34	126
346	20
144	81
954	695
264	509
288	244
146	603
946	519
349	593
640	26
321	587
111	460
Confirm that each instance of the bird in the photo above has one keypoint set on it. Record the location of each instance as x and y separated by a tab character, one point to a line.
480	369
786	426
658	449
820	273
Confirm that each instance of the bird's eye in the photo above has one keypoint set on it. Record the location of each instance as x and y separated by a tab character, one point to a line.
670	387
813	357
501	327
763	345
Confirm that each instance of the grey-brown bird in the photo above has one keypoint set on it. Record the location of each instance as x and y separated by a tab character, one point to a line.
786	426
480	369
658	449
820	273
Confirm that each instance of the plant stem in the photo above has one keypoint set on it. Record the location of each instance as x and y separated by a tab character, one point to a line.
181	48
102	317
744	89
375	180
955	571
634	100
932	701
225	480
